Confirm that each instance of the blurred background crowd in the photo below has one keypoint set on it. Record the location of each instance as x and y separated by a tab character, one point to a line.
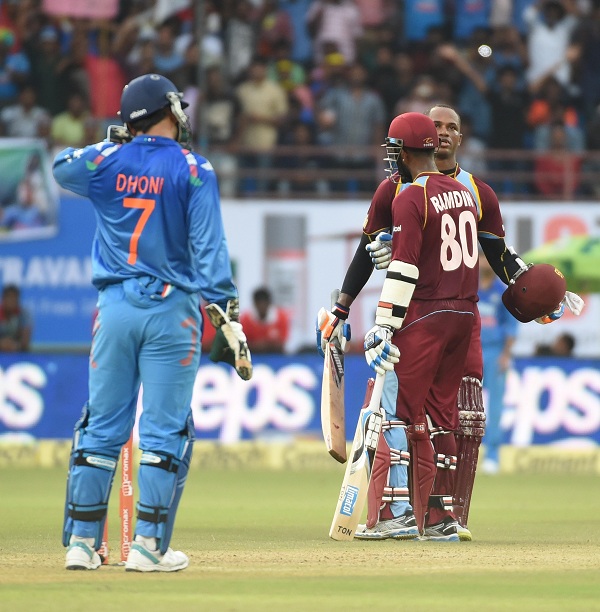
293	97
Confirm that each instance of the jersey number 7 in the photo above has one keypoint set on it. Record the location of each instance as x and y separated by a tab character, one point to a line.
146	206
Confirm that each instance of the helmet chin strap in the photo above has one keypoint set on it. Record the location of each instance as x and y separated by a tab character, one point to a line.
184	131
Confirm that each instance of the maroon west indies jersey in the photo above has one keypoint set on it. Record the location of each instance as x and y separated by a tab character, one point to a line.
379	216
434	227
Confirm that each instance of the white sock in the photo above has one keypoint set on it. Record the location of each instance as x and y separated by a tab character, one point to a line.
89	541
148	542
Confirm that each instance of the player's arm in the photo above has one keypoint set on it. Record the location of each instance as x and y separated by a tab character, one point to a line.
400	281
213	266
330	324
74	168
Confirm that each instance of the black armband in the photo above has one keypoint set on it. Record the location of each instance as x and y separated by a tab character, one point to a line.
360	269
504	260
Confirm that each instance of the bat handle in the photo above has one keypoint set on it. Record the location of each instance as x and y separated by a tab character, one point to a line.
375	403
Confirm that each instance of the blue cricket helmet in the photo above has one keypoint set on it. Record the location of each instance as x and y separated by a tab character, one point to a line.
146	95
149	93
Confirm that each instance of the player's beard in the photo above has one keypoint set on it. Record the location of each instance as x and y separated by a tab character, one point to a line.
404	172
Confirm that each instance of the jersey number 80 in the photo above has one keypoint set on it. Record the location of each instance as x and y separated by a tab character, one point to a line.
453	252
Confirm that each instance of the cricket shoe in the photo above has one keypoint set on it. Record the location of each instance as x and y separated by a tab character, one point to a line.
142	559
464	534
81	554
402	528
446	531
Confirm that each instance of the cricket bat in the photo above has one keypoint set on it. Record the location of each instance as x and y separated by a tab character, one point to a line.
333	420
353	494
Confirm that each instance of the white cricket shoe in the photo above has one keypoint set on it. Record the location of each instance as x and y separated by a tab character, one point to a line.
81	554
142	559
402	528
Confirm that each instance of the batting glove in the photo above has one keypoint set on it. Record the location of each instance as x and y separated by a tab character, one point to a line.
230	343
332	326
380	250
380	353
571	300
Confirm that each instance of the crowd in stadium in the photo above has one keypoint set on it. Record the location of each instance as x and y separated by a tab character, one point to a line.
524	74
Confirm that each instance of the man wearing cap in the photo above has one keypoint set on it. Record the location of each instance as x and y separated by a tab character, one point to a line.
159	245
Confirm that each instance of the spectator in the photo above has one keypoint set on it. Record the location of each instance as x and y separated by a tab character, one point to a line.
420	98
557	173
420	16
550	106
275	27
240	40
168	60
563	346
302	45
283	70
266	326
24	213
49	70
592	164
498	332
391	77
356	115
468	16
585	49
263	106
334	22
220	107
550	26
15	322
69	128
14	68
25	119
300	165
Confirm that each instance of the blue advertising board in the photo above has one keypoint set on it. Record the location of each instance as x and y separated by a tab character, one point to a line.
54	274
547	401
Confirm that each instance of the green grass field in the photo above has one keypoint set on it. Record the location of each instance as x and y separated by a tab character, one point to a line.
257	540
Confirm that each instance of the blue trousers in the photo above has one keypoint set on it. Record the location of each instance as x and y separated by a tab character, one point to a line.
494	382
140	338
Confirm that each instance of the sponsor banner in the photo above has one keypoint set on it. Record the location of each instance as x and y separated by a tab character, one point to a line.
547	401
54	274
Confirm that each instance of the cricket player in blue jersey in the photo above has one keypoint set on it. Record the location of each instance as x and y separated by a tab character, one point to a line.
159	245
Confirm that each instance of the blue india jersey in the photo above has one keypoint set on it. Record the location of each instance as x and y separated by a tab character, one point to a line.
158	213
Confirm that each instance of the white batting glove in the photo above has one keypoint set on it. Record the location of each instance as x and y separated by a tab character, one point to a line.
380	250
380	353
230	343
573	302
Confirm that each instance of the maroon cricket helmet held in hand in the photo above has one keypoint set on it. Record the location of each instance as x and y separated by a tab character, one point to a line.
536	292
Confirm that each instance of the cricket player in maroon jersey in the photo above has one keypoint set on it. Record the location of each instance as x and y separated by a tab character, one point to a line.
434	269
393	517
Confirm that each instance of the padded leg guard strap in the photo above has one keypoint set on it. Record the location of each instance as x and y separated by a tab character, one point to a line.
470	433
89	483
440	502
161	489
389	478
422	473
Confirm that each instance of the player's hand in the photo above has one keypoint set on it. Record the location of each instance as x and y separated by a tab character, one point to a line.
230	343
332	326
571	300
380	353
380	250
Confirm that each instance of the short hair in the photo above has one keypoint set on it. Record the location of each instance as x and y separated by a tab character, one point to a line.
262	294
145	123
12	288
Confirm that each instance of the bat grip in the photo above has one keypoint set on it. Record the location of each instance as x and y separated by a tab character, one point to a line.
375	403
